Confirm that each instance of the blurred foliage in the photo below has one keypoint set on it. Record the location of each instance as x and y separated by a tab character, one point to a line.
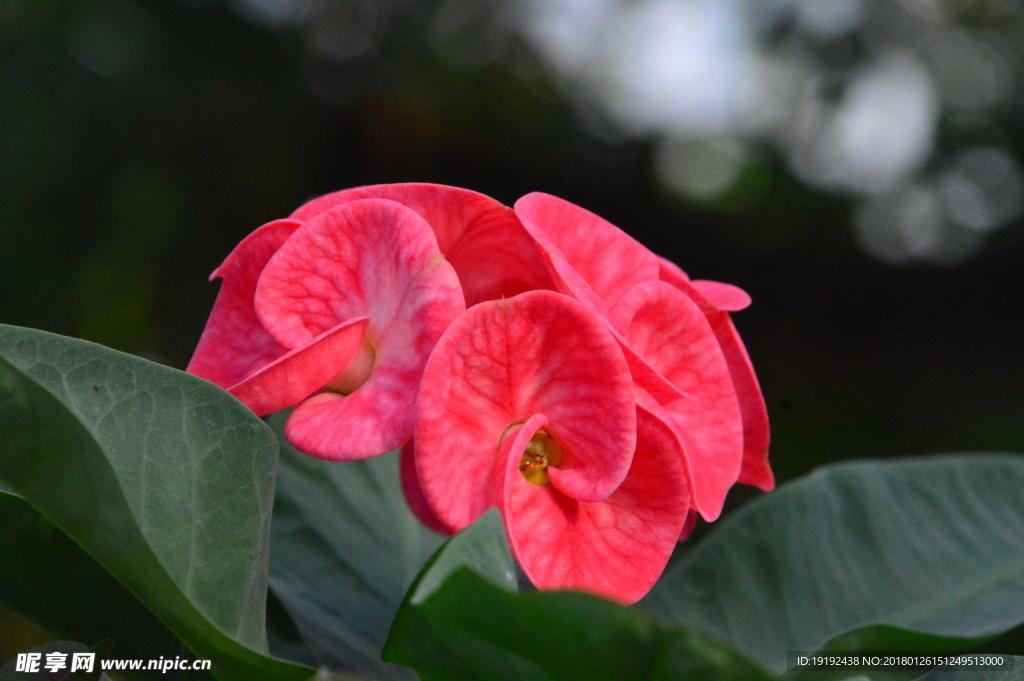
140	140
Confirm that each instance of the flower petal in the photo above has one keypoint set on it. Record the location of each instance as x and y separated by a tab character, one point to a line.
370	258
414	493
688	526
616	548
299	373
723	296
540	211
481	238
234	343
608	259
501	363
756	431
673	335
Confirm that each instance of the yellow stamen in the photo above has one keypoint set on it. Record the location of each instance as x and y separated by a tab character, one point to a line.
541	452
357	371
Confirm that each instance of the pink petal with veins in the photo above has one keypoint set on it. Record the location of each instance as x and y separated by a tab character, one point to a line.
414	493
299	373
645	376
369	258
756	431
501	363
481	238
234	343
673	335
544	215
617	547
608	259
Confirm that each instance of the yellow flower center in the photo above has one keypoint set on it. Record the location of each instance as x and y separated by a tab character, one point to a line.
357	371
541	452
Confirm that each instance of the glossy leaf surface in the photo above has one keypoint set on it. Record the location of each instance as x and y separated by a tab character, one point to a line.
929	545
345	549
51	581
481	629
161	477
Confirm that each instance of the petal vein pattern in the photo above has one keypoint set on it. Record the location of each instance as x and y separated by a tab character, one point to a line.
370	258
756	431
672	333
482	239
500	364
596	263
607	259
238	354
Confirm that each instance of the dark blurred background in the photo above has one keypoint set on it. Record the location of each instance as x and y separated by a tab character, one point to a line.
851	164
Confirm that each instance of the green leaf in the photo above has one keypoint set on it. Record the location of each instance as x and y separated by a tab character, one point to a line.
283	637
345	550
163	478
887	638
47	577
932	546
482	548
458	626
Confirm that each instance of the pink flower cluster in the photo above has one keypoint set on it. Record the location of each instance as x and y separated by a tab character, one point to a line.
535	358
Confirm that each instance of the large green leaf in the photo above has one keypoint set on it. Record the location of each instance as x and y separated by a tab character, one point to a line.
482	548
46	576
345	550
931	545
430	647
457	625
163	478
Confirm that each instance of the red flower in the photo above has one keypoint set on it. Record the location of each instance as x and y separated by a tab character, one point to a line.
346	299
595	418
528	404
689	365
